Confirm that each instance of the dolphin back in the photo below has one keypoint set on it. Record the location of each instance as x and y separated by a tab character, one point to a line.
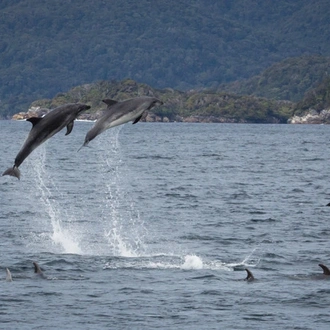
12	171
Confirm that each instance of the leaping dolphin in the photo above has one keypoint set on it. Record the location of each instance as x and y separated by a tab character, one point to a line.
118	113
44	128
326	270
249	276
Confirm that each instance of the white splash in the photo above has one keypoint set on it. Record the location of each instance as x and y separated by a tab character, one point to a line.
192	262
65	239
123	228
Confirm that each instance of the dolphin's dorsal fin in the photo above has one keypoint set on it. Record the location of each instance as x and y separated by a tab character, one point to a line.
34	120
249	276
137	119
109	102
69	128
326	270
8	277
37	268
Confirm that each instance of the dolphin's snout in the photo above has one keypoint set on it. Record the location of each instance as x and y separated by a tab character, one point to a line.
84	108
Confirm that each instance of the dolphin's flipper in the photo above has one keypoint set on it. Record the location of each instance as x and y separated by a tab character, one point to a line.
34	120
13	171
137	119
249	276
69	128
8	277
326	270
109	102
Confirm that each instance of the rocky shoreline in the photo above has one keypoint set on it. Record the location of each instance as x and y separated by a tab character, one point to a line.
312	117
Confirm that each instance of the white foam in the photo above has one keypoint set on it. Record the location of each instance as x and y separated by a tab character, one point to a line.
192	262
66	241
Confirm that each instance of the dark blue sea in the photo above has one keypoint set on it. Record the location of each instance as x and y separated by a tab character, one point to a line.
153	225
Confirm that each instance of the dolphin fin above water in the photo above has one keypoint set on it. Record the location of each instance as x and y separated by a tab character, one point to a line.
38	270
249	276
326	270
8	277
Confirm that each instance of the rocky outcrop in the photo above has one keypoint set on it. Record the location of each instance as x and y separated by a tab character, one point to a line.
32	112
208	119
312	117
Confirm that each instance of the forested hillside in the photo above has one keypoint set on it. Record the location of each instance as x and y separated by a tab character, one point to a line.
205	106
47	47
317	99
289	79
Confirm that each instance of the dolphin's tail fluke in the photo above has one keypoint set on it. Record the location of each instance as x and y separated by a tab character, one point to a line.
13	171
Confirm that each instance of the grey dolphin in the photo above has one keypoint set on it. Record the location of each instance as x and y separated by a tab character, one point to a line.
249	276
8	275
326	270
38	270
44	128
118	113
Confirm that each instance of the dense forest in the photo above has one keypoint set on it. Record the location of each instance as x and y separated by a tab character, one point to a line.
289	79
316	99
47	47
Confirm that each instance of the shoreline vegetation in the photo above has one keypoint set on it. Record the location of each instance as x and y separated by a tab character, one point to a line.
194	106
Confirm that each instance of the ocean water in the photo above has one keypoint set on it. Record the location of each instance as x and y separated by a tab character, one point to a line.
153	225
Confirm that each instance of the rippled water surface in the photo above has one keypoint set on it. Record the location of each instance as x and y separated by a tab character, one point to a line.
153	225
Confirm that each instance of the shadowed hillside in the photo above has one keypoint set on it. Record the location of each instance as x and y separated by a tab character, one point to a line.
286	80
